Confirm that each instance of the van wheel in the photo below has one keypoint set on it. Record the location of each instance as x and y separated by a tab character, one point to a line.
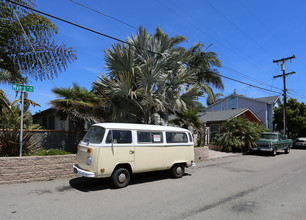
121	178
177	170
287	151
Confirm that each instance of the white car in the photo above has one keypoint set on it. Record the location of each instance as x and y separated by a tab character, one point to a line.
300	142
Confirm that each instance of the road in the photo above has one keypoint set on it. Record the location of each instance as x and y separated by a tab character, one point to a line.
240	187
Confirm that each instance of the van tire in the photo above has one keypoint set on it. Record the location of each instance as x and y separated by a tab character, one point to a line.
177	170
120	178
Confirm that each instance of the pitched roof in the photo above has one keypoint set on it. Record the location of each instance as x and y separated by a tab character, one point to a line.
223	115
269	99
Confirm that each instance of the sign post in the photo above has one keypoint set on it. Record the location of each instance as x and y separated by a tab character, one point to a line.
22	88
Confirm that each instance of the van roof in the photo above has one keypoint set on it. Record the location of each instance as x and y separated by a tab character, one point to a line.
139	127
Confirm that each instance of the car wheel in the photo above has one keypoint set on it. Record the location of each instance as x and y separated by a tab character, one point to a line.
177	170
120	178
274	151
287	151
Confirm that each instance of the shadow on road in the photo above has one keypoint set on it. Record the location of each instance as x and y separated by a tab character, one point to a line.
84	184
263	153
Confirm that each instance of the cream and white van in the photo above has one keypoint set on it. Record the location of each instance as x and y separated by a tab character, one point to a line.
118	150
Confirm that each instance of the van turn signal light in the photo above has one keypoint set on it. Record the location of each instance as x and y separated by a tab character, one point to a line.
89	150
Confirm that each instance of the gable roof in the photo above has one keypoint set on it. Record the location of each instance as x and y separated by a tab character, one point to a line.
224	115
268	100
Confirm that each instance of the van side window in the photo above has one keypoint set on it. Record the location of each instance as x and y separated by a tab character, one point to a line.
149	137
119	137
176	137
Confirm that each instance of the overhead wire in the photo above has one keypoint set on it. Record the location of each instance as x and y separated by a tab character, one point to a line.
238	28
228	47
105	35
123	22
231	69
246	76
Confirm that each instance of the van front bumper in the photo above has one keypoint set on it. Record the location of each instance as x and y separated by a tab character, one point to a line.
82	172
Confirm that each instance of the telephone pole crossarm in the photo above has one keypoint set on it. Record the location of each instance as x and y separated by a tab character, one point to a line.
283	59
286	74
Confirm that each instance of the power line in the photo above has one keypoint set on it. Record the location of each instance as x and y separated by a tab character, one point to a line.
238	28
258	87
96	32
228	47
253	79
104	14
80	26
249	77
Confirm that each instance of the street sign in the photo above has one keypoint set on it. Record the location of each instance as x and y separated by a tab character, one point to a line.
24	88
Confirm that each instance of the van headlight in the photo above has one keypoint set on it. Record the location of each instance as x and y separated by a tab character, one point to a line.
88	160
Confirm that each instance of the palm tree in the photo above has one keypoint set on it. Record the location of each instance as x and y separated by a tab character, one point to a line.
147	78
202	63
78	103
17	58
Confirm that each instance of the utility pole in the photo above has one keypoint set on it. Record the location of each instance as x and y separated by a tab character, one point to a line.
285	89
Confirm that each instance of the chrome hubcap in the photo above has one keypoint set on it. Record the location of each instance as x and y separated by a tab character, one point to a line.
178	170
122	177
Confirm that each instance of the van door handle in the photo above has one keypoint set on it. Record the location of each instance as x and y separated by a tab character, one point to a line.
131	151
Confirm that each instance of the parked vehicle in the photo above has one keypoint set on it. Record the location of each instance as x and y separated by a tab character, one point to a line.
272	142
118	150
300	142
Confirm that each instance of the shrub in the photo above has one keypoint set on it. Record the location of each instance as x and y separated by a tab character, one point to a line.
44	152
10	142
239	135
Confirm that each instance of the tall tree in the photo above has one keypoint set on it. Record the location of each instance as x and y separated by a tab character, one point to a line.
79	103
296	118
20	30
150	76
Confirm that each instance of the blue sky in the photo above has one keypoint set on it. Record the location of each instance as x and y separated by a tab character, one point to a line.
246	35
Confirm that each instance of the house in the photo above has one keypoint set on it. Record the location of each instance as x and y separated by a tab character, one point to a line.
50	120
214	119
261	107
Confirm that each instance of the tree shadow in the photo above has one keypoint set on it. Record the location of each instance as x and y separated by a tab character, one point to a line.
84	184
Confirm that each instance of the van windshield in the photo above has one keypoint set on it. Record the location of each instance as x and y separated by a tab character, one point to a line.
94	135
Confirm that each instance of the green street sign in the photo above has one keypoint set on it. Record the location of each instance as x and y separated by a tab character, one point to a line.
24	88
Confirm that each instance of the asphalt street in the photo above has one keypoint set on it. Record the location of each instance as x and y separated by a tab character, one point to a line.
239	187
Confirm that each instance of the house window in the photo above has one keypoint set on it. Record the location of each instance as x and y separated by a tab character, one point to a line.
214	130
51	122
232	103
45	122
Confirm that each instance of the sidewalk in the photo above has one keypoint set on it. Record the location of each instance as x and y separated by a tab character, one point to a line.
212	154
